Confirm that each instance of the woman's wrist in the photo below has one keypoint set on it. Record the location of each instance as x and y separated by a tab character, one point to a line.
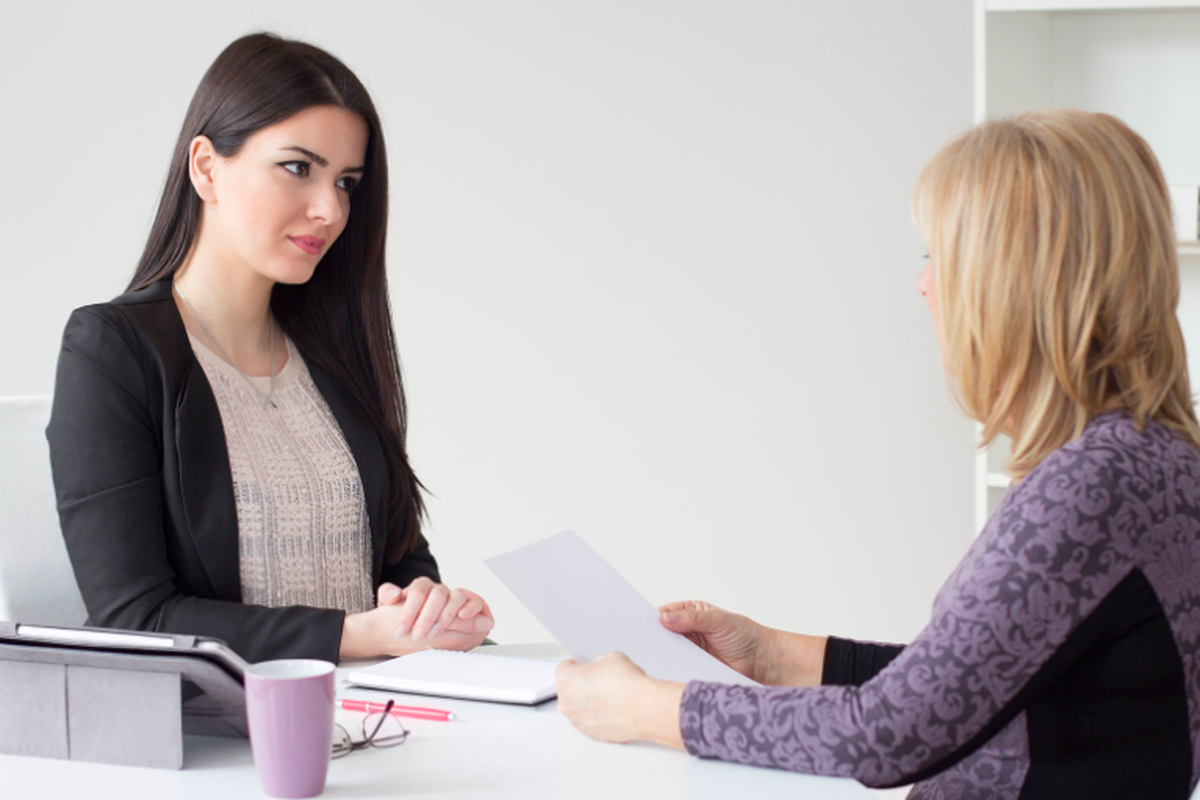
353	630
789	659
657	708
362	637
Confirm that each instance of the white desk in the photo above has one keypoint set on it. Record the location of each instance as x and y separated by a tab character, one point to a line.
490	751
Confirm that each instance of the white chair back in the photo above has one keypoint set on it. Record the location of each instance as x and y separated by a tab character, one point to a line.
37	584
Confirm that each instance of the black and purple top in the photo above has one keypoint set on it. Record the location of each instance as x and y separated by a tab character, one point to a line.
1061	659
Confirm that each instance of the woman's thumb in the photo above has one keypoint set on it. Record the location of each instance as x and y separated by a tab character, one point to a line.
389	593
683	620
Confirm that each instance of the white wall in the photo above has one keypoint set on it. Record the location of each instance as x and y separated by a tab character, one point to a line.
652	266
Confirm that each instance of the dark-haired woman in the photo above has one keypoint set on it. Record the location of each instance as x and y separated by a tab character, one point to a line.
228	436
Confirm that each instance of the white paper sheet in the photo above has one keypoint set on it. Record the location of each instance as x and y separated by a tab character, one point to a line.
591	610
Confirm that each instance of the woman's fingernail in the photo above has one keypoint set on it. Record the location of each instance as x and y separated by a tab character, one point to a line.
483	624
401	631
436	629
418	634
669	616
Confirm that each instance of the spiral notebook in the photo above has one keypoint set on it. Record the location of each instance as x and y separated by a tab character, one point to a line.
468	676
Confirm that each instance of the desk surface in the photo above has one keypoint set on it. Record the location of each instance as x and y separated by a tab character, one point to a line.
491	751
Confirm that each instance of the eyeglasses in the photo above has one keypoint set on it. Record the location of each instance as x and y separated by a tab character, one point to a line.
379	729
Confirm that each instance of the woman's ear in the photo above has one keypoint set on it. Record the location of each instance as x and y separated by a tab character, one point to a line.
202	162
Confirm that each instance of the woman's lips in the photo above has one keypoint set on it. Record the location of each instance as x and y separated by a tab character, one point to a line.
309	244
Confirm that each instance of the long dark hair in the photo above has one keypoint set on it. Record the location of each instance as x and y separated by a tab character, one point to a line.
340	319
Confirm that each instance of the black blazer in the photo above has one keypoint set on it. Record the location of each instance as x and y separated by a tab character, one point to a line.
145	493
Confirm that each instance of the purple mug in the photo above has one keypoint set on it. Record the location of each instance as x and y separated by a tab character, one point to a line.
289	708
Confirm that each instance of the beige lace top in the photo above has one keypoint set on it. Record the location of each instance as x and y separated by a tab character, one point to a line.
304	537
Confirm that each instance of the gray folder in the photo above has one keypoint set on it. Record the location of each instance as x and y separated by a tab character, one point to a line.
116	697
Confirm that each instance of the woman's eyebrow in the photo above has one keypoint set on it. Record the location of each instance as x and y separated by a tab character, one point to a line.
319	160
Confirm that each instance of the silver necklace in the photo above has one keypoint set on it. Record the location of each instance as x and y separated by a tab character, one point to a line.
270	337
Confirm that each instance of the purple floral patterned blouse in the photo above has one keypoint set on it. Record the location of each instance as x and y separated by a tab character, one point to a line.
1060	660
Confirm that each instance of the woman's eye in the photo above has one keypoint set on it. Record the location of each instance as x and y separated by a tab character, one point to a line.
302	169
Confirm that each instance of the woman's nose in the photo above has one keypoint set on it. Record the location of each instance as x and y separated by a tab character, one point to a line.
326	206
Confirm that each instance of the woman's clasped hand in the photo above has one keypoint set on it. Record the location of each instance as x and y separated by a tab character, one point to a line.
421	616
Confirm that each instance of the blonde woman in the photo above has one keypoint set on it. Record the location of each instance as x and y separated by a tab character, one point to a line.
1061	659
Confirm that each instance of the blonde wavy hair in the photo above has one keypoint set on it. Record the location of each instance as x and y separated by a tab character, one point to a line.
1055	267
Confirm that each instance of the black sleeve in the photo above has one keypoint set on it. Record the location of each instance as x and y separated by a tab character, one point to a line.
416	563
850	663
106	456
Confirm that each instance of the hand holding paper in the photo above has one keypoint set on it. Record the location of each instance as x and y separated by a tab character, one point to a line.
736	640
612	700
591	610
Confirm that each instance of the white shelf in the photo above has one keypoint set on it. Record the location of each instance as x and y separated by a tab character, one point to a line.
1130	58
1086	5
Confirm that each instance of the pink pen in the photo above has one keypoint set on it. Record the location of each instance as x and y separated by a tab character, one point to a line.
398	711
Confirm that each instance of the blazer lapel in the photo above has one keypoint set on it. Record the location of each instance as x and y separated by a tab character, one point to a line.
200	494
367	450
206	484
